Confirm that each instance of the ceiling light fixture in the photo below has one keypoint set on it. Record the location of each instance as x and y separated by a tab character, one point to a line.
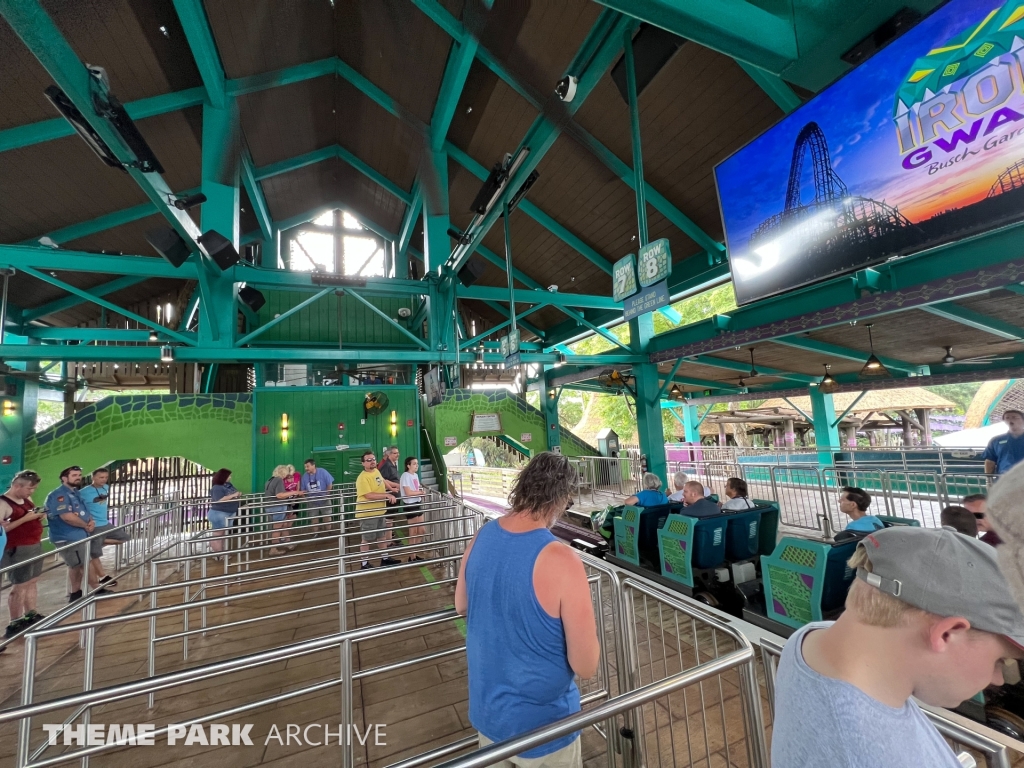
153	336
873	366
827	380
167	354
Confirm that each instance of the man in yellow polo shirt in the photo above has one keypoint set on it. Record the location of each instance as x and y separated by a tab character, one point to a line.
371	498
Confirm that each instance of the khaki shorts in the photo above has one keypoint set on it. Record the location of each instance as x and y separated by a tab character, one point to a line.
372	528
570	756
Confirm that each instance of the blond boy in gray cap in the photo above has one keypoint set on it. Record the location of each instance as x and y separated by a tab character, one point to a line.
929	617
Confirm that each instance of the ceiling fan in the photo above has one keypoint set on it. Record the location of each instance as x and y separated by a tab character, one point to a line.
753	373
949	359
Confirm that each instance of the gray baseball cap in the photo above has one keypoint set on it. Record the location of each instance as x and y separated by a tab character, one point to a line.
945	573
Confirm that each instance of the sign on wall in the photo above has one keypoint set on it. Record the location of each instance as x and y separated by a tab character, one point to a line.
485	422
451	442
526	437
922	144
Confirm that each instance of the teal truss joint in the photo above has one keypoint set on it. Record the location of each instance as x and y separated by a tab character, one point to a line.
870	280
775	87
721	322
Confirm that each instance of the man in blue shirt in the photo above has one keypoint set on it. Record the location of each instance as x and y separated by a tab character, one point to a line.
316	482
854	503
69	522
95	497
1003	451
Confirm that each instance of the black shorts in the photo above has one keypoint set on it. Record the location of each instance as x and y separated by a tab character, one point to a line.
412	511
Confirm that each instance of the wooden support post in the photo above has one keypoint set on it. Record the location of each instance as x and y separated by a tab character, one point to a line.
924	419
789	436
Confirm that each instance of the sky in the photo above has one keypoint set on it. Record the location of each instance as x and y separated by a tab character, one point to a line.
855	115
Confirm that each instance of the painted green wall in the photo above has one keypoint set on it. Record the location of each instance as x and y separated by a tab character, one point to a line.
212	430
453	418
24	397
318	323
313	416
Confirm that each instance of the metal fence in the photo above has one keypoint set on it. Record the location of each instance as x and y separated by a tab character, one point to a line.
808	497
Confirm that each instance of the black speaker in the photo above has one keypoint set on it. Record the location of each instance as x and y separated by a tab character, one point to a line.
472	271
252	298
168	244
219	249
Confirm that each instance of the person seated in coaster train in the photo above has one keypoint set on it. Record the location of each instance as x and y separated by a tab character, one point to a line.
650	496
854	503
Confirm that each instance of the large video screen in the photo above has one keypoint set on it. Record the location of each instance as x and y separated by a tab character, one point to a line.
920	145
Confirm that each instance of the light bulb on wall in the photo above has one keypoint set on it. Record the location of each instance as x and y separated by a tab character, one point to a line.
394	423
284	427
9	409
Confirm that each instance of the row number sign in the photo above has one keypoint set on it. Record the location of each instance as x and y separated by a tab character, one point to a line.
649	269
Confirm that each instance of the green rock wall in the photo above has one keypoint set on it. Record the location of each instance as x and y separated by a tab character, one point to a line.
212	430
454	418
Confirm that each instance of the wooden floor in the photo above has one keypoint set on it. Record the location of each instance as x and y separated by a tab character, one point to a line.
420	707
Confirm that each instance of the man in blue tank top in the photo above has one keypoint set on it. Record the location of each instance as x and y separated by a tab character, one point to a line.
530	625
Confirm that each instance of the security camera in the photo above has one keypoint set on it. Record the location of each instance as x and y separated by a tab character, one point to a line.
566	88
404	312
553	288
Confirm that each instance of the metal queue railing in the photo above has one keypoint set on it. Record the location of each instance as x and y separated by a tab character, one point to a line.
919	458
622	671
980	746
676	684
808	497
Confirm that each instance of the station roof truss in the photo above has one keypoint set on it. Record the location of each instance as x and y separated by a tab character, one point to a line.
395	113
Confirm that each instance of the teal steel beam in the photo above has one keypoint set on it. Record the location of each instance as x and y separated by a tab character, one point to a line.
777	89
58	128
654	198
733	365
60	305
204	50
675	370
809	419
765	320
845	353
964	316
102	223
455	29
460	59
185	339
739	29
590	63
294	163
287	76
486	292
517	273
494	329
21	256
387	318
535	213
849	408
39	33
284	316
412	214
86	334
505	313
256	198
190	310
258	354
372	174
691	381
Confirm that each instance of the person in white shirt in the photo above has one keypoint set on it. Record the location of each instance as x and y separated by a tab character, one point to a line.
736	490
412	496
679	479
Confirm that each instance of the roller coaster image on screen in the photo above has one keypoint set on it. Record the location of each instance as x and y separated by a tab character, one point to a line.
921	145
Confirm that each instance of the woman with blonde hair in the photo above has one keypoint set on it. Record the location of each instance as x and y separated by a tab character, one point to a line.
280	515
